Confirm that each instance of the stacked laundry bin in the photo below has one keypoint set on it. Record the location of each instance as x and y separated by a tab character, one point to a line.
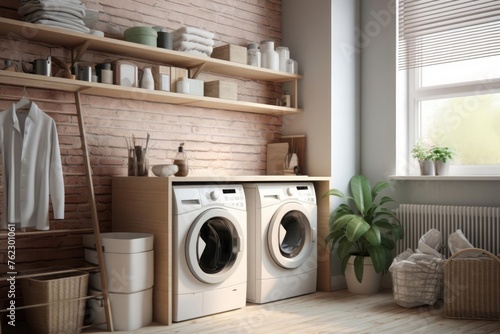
129	267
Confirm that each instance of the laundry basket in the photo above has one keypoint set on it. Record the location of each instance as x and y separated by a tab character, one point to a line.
417	284
64	312
472	285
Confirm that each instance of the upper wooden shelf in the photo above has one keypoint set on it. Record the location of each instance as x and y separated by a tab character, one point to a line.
79	42
100	89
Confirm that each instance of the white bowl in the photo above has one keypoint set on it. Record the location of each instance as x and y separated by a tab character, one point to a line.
165	170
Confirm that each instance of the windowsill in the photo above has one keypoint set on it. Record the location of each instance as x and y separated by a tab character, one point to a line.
445	178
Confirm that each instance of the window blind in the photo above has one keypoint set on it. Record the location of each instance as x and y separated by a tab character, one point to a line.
434	32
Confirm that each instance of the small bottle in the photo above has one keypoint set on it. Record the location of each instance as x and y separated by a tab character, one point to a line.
107	74
284	55
147	81
269	58
253	55
181	162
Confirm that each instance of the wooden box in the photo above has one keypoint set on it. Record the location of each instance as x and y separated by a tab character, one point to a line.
161	76
221	89
177	73
235	53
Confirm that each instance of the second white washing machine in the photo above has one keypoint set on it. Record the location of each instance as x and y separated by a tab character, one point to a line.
209	250
282	247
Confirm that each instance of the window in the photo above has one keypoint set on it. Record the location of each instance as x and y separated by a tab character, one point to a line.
452	59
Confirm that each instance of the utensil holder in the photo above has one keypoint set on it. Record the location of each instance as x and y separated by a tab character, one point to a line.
138	161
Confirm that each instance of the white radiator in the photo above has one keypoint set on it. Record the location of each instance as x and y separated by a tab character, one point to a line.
480	225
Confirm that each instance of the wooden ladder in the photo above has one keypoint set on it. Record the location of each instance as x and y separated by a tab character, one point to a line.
95	226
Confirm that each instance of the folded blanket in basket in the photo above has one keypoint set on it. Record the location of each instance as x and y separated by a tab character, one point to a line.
194	31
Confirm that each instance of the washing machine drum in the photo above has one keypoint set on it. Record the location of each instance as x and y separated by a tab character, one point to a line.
291	237
214	246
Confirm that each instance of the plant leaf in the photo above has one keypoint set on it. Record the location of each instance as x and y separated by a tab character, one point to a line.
359	262
379	258
378	187
361	193
356	227
373	235
335	192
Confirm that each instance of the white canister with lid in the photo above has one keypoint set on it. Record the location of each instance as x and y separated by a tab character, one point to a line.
284	55
269	57
253	55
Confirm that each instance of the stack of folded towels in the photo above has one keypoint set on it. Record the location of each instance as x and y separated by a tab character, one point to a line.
67	14
193	40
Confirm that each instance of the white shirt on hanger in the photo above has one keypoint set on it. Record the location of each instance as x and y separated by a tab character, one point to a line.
32	168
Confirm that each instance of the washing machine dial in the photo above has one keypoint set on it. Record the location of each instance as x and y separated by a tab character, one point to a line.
290	191
214	195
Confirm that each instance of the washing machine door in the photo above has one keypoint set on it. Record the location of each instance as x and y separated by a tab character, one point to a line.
214	246
290	236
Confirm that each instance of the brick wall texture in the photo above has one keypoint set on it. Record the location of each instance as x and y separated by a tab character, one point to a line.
218	142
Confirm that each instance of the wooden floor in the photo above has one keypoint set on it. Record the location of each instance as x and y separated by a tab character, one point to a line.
327	312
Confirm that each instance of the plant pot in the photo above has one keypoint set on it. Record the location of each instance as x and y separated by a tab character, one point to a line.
426	167
370	284
441	167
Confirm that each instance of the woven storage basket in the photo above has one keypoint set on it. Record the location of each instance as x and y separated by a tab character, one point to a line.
64	314
418	284
472	286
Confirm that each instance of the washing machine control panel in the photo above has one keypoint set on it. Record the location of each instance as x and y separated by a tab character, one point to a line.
303	193
227	196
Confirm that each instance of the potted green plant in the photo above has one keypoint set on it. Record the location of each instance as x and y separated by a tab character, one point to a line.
441	156
365	231
425	158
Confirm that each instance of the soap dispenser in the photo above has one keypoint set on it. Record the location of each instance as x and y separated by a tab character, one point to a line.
181	161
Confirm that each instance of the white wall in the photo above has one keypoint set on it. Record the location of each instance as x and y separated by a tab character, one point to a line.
321	35
378	118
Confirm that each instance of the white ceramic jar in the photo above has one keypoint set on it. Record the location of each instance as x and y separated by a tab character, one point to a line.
147	81
269	57
284	55
253	55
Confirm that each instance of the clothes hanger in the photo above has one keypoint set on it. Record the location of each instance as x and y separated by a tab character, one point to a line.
24	102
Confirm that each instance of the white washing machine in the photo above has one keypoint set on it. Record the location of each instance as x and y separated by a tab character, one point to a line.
282	247
209	250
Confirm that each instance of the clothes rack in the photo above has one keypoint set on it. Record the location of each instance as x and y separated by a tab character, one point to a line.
93	211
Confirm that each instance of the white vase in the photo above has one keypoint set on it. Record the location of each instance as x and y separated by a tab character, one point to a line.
147	81
426	167
441	167
370	284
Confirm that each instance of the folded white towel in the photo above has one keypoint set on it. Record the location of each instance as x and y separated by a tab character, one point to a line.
51	23
192	38
54	16
195	31
76	2
188	46
30	8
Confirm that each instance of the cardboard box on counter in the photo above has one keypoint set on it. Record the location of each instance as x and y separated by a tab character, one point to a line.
231	52
221	89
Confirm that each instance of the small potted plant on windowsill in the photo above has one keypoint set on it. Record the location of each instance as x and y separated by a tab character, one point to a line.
365	232
441	156
425	159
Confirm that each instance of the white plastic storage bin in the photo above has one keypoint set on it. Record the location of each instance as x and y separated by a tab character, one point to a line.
128	258
130	311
